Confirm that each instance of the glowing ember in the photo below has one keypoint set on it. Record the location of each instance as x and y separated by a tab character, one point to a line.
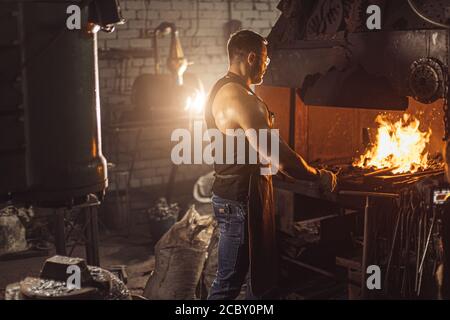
400	146
196	102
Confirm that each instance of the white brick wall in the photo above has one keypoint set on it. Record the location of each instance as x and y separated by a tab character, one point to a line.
204	43
202	37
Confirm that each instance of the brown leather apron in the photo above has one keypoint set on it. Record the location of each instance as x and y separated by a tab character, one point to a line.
262	229
262	235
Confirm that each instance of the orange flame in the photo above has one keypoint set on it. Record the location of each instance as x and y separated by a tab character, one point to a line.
400	146
196	102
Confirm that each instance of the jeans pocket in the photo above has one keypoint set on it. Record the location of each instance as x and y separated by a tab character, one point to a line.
231	219
221	213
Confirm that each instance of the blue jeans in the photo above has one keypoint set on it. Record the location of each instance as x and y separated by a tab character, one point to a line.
233	250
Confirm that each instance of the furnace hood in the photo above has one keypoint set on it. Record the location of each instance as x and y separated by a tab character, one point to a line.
325	50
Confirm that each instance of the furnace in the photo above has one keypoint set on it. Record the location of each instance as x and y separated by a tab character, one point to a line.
338	88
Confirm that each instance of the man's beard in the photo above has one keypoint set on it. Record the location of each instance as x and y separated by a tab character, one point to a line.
256	74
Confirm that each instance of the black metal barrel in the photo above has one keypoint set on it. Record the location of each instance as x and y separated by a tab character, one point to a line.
50	144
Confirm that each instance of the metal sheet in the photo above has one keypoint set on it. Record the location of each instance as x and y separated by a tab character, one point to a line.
369	71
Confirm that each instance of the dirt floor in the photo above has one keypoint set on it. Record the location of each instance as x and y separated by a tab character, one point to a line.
135	252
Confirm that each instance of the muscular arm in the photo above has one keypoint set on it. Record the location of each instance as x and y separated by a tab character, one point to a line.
247	112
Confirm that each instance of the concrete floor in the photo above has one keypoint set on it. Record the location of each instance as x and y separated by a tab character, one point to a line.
135	252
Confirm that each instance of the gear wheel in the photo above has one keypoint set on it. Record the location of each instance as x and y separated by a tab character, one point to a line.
426	80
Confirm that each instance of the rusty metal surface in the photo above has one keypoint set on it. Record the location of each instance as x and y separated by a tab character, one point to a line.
369	180
353	180
324	49
51	112
369	71
326	133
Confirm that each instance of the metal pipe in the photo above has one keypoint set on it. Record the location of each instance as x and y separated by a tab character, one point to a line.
409	220
370	194
310	267
425	18
428	240
366	244
156	53
367	229
419	240
391	252
92	252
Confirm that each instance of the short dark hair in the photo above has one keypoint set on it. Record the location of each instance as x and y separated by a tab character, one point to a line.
244	42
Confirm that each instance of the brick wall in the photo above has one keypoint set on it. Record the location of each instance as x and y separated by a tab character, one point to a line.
203	37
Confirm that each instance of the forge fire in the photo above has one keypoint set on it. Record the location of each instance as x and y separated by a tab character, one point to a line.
189	153
400	146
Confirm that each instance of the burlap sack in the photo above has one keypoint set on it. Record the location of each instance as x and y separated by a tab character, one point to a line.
180	257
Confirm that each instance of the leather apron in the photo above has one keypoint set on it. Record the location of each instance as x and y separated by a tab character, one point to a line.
263	255
262	235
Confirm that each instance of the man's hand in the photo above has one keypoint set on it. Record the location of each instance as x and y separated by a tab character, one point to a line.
327	181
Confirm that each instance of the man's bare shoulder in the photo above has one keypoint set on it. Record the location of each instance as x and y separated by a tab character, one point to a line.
236	107
234	96
232	91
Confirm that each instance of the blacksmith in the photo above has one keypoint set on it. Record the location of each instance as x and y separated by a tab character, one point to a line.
243	197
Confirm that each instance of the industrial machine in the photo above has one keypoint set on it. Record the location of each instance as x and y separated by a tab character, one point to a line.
51	151
330	77
50	145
